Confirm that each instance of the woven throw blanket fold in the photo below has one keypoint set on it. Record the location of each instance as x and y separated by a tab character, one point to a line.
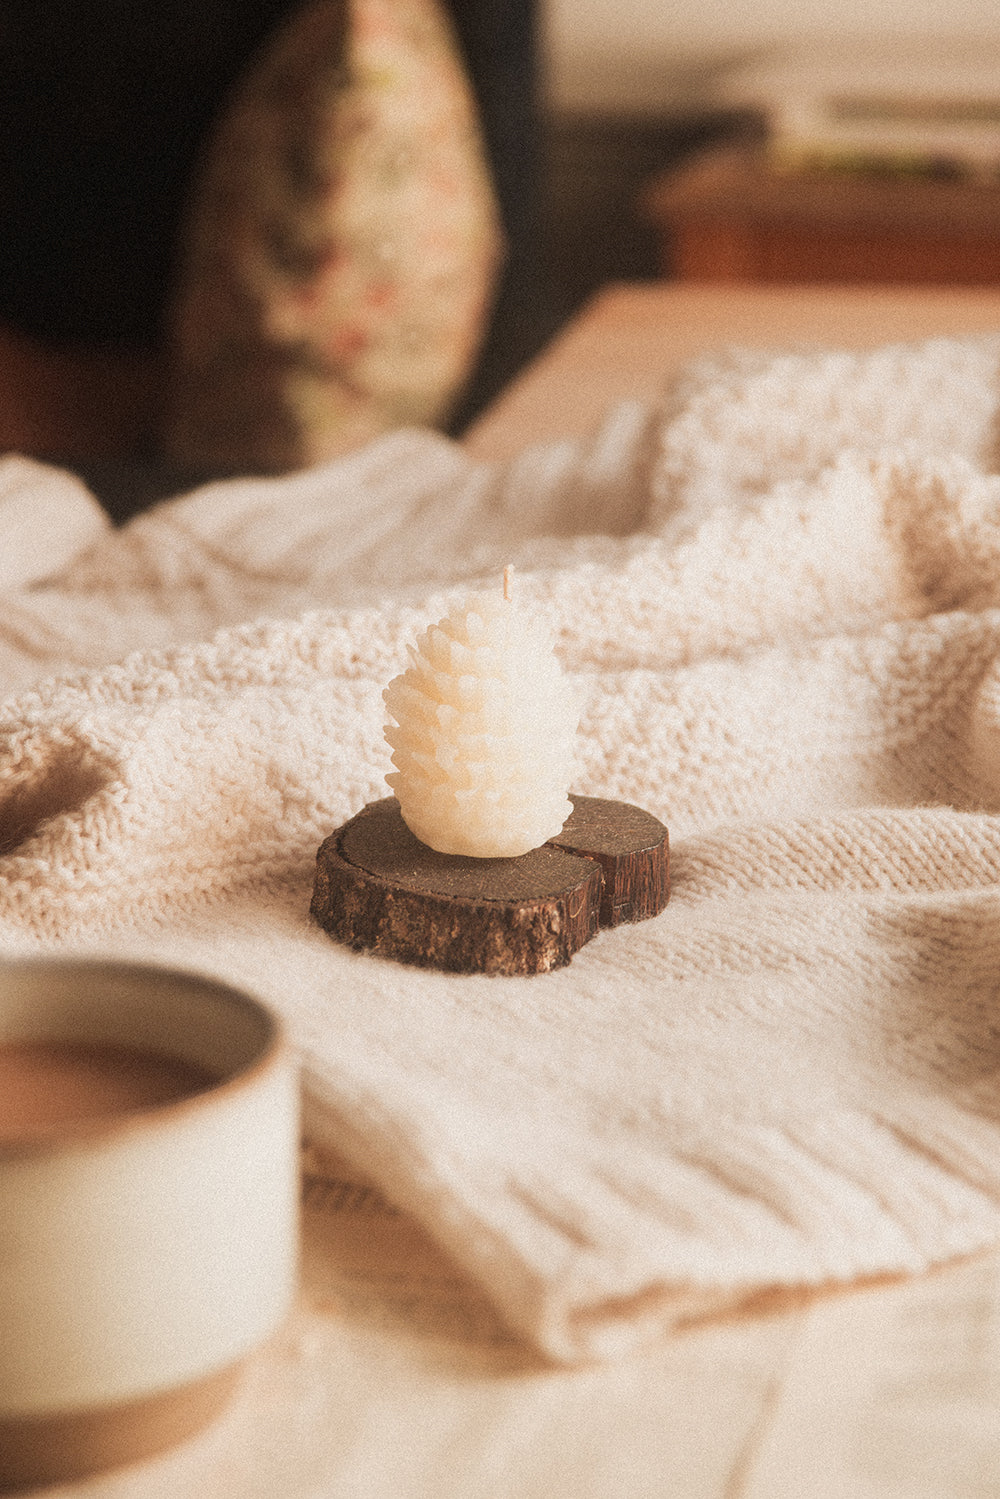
778	589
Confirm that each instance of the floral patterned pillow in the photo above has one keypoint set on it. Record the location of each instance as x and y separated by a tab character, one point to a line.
341	245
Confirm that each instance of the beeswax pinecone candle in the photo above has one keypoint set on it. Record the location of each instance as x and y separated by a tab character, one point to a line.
484	731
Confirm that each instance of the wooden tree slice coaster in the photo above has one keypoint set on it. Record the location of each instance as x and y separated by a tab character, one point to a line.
379	888
632	848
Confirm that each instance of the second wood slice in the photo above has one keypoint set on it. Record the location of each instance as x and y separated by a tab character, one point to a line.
379	888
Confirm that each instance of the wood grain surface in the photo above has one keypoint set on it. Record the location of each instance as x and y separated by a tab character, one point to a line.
378	888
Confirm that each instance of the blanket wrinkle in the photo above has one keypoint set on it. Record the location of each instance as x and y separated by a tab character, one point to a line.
47	776
742	425
776	586
48	517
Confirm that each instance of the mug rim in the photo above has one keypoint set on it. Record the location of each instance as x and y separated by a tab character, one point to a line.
273	1047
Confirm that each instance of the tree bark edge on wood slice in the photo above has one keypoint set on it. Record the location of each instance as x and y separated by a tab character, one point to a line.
379	889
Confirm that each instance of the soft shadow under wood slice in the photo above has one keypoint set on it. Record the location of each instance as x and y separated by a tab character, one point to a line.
380	889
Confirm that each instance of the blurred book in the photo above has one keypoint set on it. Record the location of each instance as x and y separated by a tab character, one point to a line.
929	111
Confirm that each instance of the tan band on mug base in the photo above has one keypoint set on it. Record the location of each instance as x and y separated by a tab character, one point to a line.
51	1449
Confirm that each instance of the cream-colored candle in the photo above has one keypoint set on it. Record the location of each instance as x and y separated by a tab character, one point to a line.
484	732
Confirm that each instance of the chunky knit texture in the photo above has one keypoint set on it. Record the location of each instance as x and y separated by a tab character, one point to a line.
778	591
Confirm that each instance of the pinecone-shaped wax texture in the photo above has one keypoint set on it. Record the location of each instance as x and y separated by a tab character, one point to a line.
484	733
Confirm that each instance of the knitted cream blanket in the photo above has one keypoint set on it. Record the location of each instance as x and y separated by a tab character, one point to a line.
779	590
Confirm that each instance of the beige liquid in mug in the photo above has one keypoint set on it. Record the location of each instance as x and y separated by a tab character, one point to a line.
47	1087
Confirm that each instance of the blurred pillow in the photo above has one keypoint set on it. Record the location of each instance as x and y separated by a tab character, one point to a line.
341	245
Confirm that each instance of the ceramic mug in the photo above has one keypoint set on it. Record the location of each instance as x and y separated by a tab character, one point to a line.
148	1240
